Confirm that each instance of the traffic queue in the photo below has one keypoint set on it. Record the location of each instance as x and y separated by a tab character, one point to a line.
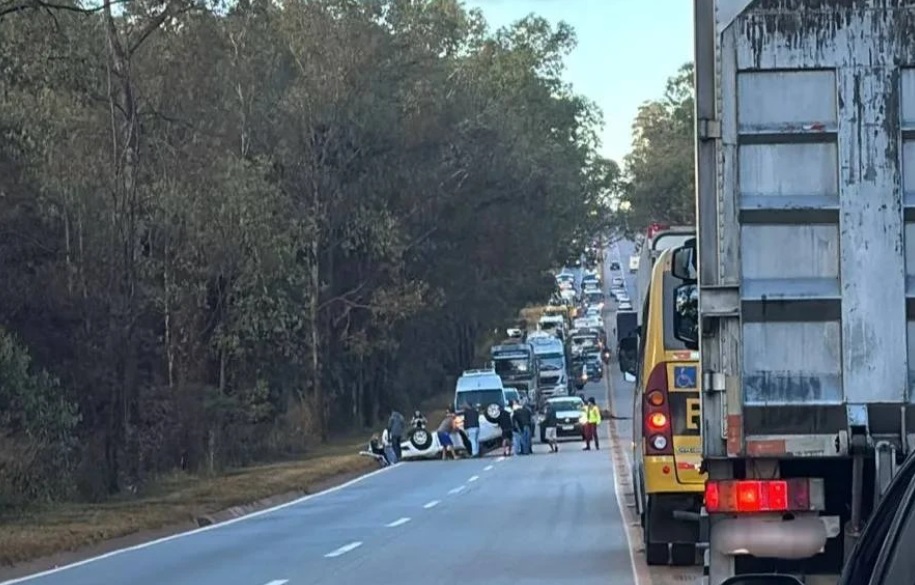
537	373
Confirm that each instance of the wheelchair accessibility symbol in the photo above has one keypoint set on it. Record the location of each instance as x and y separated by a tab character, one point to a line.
684	377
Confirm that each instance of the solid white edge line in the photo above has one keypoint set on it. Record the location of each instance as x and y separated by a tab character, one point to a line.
457	490
278	582
429	505
487	468
216	526
474	478
398	522
637	575
343	550
627	529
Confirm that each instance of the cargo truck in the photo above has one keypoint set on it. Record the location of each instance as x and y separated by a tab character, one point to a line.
799	291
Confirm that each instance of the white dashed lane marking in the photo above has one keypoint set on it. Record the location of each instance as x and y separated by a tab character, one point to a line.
398	522
431	504
343	550
473	478
457	490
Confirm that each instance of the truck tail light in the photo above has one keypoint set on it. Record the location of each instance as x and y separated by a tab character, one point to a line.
755	496
657	414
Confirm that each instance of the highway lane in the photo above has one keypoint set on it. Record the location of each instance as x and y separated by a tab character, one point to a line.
622	396
542	519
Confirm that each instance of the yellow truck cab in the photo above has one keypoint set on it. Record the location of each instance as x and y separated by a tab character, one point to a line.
666	441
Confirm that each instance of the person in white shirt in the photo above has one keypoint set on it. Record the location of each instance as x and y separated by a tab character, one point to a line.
388	447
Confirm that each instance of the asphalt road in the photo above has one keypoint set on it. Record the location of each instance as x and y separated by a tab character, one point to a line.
542	519
545	519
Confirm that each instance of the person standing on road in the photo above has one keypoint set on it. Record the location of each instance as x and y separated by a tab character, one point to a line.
592	413
517	428
522	428
444	434
505	425
395	431
389	452
472	428
549	427
529	429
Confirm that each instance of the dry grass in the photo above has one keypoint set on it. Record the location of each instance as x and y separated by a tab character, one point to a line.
180	499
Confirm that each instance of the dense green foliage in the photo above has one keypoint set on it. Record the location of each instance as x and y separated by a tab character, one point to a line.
658	181
226	234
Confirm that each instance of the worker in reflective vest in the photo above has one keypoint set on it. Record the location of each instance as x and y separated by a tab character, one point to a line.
592	413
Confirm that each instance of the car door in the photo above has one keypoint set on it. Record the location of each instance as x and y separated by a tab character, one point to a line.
883	555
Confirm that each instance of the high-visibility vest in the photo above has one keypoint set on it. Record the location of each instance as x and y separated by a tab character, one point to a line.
593	415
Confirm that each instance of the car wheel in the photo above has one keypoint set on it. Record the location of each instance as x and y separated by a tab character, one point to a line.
421	439
492	413
465	440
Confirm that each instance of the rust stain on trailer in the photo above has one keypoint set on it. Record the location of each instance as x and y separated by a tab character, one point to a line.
775	447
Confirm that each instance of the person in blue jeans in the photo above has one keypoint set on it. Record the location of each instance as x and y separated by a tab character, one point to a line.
472	427
522	420
517	428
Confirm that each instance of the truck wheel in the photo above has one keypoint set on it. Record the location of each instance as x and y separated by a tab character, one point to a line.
421	439
656	553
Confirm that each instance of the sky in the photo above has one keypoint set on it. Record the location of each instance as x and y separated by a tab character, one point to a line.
626	51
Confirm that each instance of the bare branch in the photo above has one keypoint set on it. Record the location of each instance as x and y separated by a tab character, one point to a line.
13	6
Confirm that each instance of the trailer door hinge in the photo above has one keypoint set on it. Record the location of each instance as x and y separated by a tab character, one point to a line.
708	129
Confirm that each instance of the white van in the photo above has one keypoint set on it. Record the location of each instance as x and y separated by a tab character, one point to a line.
483	387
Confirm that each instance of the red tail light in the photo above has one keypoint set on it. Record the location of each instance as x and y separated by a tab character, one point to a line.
656	411
749	496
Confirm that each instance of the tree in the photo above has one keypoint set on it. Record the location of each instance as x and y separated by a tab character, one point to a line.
231	233
659	182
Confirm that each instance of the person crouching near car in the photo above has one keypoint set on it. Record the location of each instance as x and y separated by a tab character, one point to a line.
472	427
444	434
377	449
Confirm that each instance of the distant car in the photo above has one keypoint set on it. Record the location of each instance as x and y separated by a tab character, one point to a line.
568	413
617	281
614	266
625	306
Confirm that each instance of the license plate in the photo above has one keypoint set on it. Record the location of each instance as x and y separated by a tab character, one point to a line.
568	427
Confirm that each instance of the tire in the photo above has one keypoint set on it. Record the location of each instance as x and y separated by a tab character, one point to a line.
656	553
492	413
421	439
465	440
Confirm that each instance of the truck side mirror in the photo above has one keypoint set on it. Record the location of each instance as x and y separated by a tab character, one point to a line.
683	263
628	354
686	314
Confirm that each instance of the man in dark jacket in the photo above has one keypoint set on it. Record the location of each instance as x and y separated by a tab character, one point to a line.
528	435
395	431
472	427
522	419
505	425
549	427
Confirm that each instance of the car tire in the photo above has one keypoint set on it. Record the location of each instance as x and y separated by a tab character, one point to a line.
492	413
421	439
465	440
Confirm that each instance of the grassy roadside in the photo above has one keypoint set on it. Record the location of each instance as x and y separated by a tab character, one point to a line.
181	499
